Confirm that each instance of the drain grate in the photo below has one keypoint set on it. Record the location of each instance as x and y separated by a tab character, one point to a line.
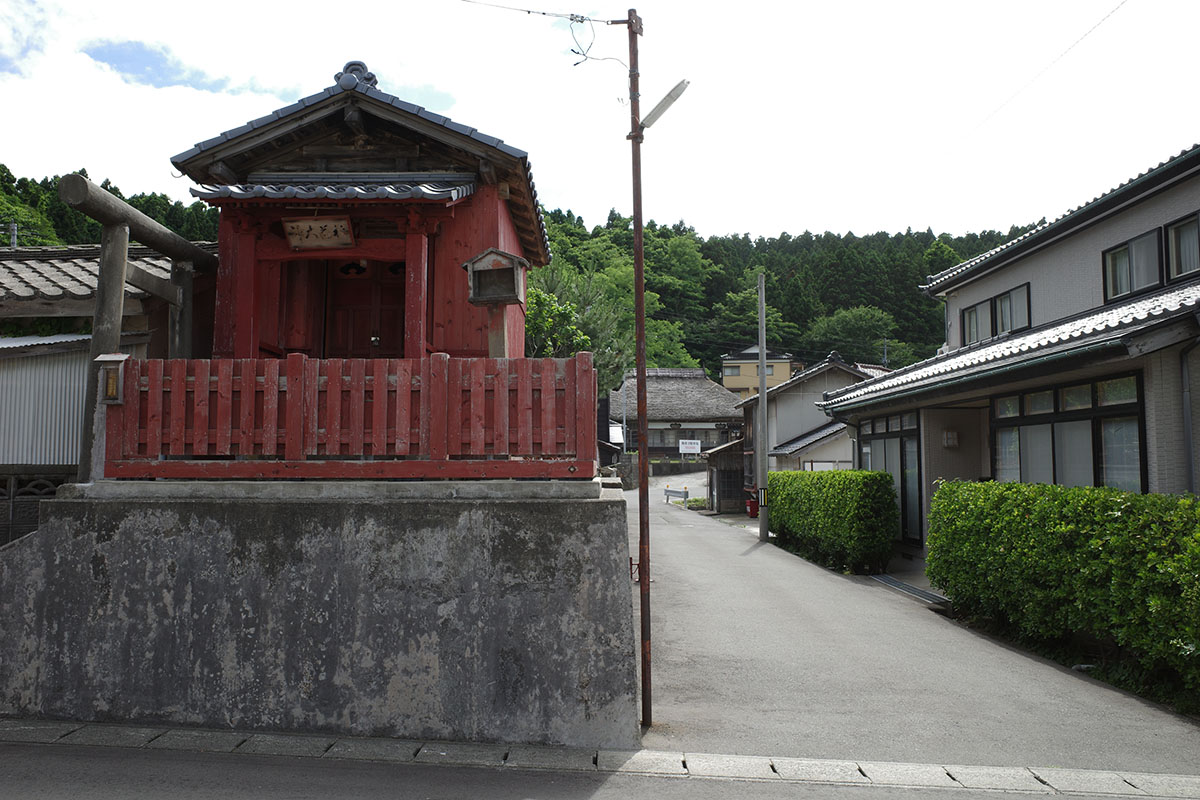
915	591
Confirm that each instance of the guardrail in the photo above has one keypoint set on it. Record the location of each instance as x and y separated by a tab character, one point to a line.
668	493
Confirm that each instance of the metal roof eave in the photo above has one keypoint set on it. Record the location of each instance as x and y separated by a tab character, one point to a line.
832	407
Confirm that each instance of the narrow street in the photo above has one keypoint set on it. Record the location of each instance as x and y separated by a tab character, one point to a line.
758	652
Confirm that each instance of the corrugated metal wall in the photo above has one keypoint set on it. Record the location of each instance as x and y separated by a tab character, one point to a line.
41	408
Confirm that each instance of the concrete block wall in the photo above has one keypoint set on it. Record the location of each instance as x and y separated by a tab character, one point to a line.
303	607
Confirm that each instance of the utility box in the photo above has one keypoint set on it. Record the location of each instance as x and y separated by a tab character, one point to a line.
496	278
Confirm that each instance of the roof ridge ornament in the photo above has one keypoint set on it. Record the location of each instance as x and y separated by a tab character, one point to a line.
353	73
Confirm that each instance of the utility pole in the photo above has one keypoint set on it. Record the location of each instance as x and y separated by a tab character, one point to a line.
634	23
636	128
12	235
760	447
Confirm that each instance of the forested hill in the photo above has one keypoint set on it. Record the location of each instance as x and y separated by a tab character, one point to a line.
854	294
43	219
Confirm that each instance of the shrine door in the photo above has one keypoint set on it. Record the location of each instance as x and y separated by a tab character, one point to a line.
364	310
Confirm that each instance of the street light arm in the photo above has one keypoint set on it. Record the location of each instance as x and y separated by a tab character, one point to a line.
665	103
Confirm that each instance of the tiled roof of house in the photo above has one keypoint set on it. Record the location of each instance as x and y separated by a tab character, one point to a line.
814	436
675	395
750	353
69	272
831	361
873	370
1182	165
1092	329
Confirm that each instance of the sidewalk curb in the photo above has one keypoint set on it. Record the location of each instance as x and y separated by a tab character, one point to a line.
648	763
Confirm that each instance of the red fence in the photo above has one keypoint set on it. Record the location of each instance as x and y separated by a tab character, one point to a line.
437	417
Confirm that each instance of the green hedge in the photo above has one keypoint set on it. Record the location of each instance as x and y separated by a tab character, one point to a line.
845	519
1120	568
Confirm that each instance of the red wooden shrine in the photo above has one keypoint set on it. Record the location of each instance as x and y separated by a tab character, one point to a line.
345	340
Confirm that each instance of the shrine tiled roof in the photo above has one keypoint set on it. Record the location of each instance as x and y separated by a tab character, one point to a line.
443	191
1091	330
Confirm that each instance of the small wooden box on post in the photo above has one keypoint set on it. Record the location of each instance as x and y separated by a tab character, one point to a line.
496	279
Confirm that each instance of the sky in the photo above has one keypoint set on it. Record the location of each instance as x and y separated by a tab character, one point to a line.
844	116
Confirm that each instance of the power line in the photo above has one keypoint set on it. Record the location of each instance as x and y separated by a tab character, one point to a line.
1048	67
575	19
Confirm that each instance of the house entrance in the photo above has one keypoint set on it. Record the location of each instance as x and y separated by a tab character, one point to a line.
364	311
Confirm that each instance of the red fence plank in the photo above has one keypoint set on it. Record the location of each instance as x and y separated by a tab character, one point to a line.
154	409
200	390
133	403
176	405
333	407
312	404
500	401
379	407
585	409
357	401
570	382
247	386
403	369
270	406
293	424
524	407
439	401
224	431
549	402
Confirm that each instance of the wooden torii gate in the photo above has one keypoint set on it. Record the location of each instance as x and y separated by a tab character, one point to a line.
120	220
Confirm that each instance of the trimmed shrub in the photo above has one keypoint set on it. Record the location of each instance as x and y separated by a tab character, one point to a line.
1120	568
845	519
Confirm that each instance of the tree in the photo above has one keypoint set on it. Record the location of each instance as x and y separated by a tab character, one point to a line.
550	327
858	334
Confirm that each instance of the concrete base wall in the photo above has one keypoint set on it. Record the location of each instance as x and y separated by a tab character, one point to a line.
327	607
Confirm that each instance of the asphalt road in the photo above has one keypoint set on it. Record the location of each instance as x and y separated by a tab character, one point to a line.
756	651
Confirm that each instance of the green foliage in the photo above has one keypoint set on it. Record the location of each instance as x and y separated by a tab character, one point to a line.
33	229
44	326
1055	562
859	334
550	329
845	519
697	503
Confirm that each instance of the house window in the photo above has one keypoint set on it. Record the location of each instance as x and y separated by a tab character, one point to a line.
731	371
1183	248
770	369
1012	310
1132	267
1076	435
977	322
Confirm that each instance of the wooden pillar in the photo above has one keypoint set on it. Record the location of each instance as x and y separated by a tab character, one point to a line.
245	300
416	264
106	338
498	332
181	314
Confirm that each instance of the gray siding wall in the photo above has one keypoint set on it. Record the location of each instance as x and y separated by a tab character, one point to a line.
41	408
1066	278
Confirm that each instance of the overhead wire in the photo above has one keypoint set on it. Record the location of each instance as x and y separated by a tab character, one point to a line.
1049	66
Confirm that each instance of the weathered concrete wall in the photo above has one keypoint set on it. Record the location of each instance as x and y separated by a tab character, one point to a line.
467	619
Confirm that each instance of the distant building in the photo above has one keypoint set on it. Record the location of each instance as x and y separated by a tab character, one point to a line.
681	403
739	371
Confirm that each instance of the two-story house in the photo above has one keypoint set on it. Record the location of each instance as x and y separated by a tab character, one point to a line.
739	371
1071	357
